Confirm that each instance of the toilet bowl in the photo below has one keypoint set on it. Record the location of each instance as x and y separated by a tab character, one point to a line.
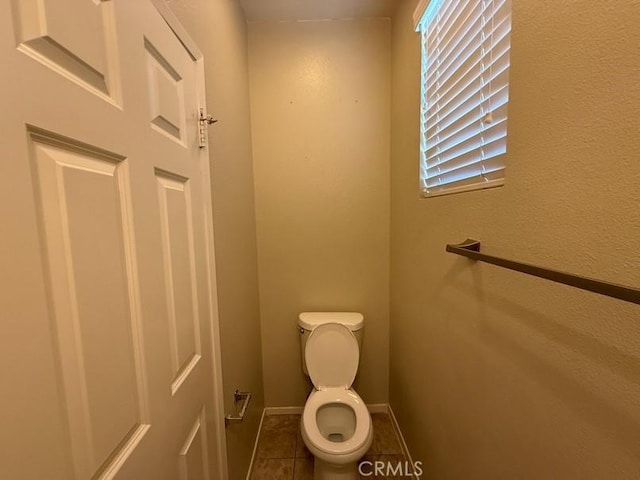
336	424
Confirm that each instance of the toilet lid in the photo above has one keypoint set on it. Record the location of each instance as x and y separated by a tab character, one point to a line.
332	356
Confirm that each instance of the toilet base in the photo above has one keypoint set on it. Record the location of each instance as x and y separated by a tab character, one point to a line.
327	471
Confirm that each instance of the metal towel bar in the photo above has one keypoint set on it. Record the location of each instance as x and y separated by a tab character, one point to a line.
471	249
238	396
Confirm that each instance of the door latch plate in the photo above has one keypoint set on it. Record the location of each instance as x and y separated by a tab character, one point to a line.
203	121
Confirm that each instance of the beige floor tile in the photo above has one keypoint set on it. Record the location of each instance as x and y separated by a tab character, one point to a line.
303	469
385	440
278	436
301	449
282	454
273	469
280	422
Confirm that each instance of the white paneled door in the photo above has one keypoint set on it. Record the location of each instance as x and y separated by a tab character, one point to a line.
106	282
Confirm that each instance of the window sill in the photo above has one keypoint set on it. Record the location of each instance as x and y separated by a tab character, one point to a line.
465	188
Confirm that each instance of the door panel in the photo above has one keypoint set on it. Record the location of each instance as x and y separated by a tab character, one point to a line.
193	459
84	217
106	279
180	274
166	93
84	51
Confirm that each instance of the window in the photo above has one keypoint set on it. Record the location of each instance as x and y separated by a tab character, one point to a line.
465	90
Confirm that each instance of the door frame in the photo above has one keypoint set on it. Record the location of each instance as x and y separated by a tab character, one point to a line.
219	449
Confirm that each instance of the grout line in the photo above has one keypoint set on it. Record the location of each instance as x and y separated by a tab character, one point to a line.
255	446
403	444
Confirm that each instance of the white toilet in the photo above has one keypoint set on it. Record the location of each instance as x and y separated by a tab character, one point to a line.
336	425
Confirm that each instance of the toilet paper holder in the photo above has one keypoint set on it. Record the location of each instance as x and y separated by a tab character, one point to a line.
238	396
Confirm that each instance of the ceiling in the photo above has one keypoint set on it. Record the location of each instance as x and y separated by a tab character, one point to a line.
259	10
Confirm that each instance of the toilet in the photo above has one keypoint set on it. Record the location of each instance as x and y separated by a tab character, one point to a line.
336	424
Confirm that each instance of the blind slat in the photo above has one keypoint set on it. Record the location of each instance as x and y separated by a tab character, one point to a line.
455	99
489	180
474	172
472	138
471	109
455	54
465	92
498	46
466	154
460	40
472	127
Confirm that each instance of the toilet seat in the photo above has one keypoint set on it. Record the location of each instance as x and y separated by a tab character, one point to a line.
350	398
332	356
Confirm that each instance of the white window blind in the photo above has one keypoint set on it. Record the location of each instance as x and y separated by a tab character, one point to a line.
465	89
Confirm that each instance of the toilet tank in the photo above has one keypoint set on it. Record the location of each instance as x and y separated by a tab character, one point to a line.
307	321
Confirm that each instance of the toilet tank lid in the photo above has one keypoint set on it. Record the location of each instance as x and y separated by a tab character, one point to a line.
310	320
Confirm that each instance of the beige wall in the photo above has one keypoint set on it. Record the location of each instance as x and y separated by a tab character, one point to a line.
219	29
320	118
495	374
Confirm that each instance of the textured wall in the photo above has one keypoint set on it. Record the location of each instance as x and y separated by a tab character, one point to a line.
320	118
495	374
219	29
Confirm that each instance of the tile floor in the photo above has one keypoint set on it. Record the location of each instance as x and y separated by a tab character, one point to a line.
282	455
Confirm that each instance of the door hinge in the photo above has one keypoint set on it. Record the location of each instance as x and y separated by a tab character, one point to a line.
203	121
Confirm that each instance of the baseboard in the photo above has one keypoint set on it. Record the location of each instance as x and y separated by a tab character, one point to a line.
373	408
378	407
283	410
403	444
255	446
